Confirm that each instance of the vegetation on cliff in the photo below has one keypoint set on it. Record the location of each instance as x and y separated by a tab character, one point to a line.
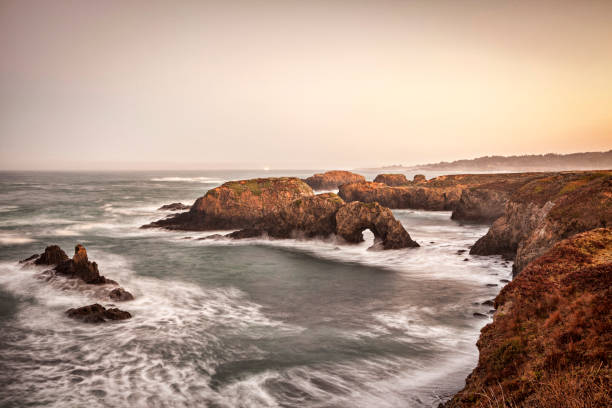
550	344
331	180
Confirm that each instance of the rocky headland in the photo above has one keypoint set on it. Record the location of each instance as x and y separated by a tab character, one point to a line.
327	214
546	210
331	180
287	208
550	342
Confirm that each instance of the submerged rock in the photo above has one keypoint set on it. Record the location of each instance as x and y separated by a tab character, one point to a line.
331	180
120	295
97	313
237	204
174	207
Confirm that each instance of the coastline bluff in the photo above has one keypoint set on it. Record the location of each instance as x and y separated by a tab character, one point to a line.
550	340
547	210
331	180
287	208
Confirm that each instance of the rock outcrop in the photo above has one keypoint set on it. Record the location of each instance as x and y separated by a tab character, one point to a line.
80	267
546	210
174	207
414	197
355	217
97	313
442	193
550	341
326	214
237	204
331	180
392	179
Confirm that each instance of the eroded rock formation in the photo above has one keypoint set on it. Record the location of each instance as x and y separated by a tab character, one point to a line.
237	204
355	217
331	180
326	214
550	340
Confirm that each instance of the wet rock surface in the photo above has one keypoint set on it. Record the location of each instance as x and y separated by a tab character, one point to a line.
97	313
174	207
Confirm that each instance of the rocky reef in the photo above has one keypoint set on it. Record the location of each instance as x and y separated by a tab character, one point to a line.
550	341
326	214
331	180
97	313
174	207
237	204
80	268
544	211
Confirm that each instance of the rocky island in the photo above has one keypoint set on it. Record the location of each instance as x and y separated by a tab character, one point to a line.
286	208
331	180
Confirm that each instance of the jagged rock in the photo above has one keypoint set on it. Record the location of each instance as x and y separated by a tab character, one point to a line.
80	267
174	207
53	255
353	218
237	204
480	315
331	180
29	259
392	179
97	313
120	295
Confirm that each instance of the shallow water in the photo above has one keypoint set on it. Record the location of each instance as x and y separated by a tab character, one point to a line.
254	323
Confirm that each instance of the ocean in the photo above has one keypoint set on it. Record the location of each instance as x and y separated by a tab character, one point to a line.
219	323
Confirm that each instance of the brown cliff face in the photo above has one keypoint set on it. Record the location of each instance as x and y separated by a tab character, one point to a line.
237	204
392	179
326	214
414	197
551	338
331	180
444	193
547	210
353	218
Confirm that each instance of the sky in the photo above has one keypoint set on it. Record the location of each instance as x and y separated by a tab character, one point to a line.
116	85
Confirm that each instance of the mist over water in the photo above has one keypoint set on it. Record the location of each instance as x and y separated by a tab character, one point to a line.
219	323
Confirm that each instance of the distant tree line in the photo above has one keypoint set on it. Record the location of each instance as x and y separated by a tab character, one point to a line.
550	161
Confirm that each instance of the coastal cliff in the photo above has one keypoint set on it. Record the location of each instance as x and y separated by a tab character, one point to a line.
551	338
546	210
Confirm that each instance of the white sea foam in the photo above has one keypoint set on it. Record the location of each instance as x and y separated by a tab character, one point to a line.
144	361
204	180
7	238
8	208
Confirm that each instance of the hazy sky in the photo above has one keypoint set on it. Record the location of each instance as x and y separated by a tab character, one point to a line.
334	84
